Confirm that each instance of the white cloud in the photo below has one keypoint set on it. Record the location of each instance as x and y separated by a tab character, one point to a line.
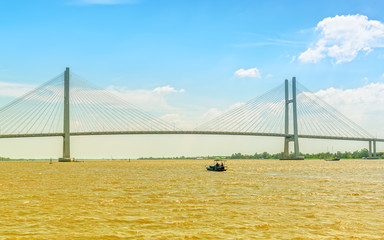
251	73
312	55
365	105
343	37
167	89
211	114
8	89
214	112
186	120
236	105
292	59
150	100
179	121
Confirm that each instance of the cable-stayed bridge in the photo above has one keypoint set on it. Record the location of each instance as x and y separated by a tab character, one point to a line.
69	106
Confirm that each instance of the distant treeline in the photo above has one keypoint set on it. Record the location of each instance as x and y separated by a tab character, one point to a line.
363	153
5	159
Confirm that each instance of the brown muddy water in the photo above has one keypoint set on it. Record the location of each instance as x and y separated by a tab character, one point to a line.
259	199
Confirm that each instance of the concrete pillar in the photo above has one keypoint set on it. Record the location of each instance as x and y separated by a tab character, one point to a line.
67	136
370	149
295	128
374	149
286	140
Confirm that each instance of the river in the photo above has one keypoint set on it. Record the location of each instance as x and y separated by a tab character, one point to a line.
179	199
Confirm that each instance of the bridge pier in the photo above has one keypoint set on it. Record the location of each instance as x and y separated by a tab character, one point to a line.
67	134
370	155
286	146
370	149
287	138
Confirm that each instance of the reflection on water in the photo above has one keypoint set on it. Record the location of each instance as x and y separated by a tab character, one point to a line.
271	199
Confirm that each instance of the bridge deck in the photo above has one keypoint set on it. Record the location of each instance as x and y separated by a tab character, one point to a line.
187	133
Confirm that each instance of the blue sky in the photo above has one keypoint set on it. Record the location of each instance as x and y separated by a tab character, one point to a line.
203	56
185	44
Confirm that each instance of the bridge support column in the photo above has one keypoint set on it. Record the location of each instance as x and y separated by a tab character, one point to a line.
286	147
372	155
287	139
67	135
370	149
295	137
295	130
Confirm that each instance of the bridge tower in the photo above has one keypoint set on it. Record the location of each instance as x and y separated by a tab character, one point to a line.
295	137
67	134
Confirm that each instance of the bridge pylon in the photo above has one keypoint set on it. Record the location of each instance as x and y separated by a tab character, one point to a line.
67	134
289	137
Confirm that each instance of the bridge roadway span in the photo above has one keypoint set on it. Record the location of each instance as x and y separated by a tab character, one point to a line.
187	133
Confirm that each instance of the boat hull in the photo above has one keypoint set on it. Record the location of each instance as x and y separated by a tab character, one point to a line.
217	169
332	160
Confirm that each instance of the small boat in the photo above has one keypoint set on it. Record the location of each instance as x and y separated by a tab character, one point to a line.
333	159
217	166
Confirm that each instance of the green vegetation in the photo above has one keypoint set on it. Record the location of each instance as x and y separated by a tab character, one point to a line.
5	159
363	153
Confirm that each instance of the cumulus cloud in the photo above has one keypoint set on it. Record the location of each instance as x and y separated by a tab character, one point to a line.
166	90
364	105
251	73
8	89
292	59
236	105
343	37
179	121
211	114
187	120
214	112
365	80
151	100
